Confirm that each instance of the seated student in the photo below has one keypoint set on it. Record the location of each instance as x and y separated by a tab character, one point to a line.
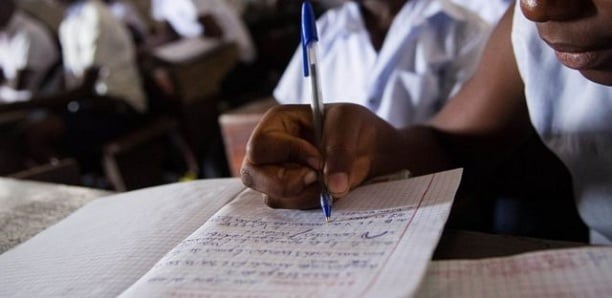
211	18
27	54
489	10
548	66
98	50
130	16
401	59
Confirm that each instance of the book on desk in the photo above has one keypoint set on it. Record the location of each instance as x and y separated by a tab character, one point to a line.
216	238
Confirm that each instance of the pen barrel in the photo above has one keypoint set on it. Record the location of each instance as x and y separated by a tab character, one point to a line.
317	107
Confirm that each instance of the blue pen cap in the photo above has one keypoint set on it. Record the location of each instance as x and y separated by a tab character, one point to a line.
309	32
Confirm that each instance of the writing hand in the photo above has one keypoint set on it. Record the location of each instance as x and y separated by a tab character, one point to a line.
282	160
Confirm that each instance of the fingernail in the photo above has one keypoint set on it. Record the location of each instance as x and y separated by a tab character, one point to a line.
310	177
338	183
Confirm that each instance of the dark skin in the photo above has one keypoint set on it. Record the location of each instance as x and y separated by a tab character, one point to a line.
378	16
487	119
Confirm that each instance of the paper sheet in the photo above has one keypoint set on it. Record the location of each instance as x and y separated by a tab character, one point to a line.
103	248
378	244
185	49
579	272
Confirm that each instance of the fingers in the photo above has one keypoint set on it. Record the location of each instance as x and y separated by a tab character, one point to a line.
285	186
282	137
281	160
347	149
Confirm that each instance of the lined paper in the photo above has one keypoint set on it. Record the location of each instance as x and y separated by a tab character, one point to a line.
577	272
103	248
378	244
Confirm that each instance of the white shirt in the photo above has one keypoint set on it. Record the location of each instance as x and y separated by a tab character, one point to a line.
25	44
489	10
128	14
183	17
573	116
431	47
91	36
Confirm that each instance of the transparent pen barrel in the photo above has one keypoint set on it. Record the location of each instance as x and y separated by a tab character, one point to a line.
317	106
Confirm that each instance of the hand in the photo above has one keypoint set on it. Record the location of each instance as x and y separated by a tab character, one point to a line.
281	160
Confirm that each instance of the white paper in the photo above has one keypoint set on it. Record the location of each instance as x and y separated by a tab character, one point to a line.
185	49
577	272
103	248
378	244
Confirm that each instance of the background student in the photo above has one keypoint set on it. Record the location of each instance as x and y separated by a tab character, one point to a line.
28	54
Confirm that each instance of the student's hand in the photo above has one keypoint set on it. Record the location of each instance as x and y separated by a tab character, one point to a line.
281	160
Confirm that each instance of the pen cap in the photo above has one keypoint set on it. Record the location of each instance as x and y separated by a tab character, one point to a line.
309	33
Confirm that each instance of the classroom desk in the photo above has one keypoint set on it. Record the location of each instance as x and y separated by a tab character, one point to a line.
27	208
236	128
196	65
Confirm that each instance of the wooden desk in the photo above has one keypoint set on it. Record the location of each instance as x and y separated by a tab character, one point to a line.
27	208
460	244
196	66
236	128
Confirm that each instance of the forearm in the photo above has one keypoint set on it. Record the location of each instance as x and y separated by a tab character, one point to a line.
416	148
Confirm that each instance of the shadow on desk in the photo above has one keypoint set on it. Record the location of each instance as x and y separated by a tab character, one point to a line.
457	244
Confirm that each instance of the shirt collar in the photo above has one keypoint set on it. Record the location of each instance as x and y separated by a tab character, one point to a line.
352	20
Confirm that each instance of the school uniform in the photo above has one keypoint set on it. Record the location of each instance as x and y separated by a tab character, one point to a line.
431	48
183	16
25	44
91	36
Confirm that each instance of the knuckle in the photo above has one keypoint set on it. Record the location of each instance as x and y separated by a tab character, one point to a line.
246	176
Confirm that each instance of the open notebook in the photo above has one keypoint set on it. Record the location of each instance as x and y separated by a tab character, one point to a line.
216	238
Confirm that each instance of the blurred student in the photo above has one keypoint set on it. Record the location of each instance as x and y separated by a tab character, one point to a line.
209	18
98	51
401	59
129	15
28	54
548	66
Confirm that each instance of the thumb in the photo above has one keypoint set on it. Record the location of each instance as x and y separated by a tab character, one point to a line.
346	161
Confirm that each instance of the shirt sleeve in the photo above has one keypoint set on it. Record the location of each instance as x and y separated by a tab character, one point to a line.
88	42
289	89
471	39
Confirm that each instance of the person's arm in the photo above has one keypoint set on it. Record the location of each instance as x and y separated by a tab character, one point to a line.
482	122
58	99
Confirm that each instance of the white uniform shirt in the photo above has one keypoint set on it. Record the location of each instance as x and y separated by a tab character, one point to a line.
129	15
489	10
431	47
183	17
573	116
25	44
91	36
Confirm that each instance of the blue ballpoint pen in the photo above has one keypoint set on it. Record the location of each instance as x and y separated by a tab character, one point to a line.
310	39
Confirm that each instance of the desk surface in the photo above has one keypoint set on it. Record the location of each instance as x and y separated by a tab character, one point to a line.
27	207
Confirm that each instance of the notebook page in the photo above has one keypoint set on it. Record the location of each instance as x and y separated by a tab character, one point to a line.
576	272
378	244
104	247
